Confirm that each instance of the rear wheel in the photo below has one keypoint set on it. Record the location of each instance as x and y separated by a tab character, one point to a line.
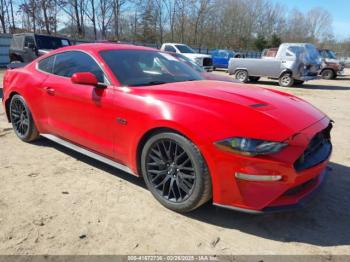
242	76
254	79
286	80
22	120
175	172
328	74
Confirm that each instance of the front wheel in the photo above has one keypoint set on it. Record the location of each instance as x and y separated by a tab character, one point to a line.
242	76
175	172
286	80
22	120
328	74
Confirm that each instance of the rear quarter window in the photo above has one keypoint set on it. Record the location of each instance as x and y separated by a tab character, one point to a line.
47	64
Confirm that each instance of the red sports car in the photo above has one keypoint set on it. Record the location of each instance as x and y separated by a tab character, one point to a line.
141	110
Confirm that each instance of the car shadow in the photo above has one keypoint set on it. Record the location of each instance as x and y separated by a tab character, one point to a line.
308	85
90	161
323	221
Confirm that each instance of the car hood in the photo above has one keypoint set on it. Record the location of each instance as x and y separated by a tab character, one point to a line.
275	114
216	77
194	56
44	51
332	60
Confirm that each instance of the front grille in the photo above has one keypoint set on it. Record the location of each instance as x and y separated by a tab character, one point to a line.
318	150
207	61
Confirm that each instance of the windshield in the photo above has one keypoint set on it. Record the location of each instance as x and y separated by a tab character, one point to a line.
312	53
141	68
185	49
189	62
328	54
48	42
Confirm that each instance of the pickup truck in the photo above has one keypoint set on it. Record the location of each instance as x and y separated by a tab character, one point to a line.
291	63
202	60
221	57
331	66
25	47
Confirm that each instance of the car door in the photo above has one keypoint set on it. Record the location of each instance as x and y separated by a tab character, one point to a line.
82	114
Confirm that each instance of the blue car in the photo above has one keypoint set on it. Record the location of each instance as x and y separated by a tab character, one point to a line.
221	57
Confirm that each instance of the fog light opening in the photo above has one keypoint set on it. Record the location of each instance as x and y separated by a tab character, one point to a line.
249	177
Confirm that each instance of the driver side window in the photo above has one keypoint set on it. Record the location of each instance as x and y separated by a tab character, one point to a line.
169	48
71	62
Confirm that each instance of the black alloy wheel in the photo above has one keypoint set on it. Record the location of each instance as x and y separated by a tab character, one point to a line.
175	172
21	119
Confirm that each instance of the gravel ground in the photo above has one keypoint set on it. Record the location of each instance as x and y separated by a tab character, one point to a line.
55	201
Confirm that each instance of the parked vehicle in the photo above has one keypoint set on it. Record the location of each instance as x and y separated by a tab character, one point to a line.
202	60
146	113
292	64
206	75
28	46
221	57
331	67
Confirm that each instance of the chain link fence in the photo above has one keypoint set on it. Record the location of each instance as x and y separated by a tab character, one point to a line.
5	40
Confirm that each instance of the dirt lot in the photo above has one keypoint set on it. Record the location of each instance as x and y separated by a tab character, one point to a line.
55	201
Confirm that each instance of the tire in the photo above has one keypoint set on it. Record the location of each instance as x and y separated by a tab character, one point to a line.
242	76
254	79
299	82
22	120
328	74
175	172
286	80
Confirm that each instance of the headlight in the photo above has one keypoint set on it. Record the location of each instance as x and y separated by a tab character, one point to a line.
250	147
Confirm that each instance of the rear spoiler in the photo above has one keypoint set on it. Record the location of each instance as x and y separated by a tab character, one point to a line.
16	65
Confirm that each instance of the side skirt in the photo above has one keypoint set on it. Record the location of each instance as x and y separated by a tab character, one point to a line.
88	153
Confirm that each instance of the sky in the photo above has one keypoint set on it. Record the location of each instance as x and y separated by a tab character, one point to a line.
339	9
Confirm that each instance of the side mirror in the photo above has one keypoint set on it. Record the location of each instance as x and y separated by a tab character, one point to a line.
84	78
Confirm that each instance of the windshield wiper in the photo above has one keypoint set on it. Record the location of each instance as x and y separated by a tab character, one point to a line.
152	83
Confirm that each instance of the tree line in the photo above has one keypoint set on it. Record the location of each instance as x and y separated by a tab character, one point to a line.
234	24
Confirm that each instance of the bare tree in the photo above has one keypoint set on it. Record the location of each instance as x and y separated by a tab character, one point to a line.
319	23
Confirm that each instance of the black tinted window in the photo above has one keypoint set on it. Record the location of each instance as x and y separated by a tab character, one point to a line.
68	63
169	48
48	42
46	64
140	68
28	40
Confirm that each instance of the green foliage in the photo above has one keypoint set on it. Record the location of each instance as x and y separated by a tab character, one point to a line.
275	41
260	43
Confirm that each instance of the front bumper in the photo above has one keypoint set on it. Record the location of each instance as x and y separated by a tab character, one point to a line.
340	72
265	196
305	194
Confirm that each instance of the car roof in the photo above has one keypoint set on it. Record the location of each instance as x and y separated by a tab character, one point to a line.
97	47
34	34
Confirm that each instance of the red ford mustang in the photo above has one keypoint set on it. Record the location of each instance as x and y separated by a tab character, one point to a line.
192	140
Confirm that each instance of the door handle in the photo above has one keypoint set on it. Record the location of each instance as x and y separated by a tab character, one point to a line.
50	90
